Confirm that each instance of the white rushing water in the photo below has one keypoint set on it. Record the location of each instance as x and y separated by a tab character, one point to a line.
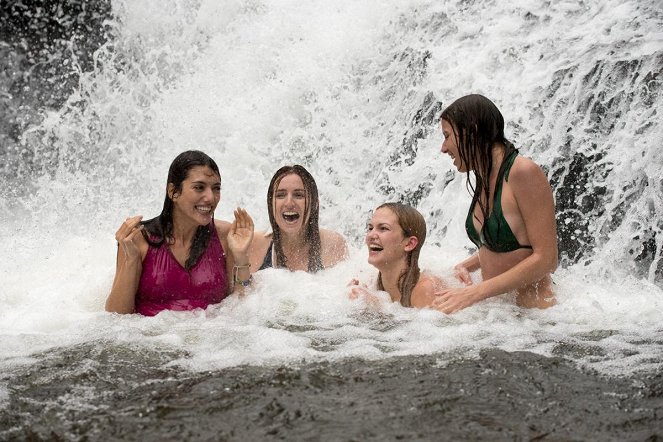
336	86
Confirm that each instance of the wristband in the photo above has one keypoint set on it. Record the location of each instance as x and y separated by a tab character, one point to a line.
245	283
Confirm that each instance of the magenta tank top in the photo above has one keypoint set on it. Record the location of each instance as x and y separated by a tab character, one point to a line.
166	285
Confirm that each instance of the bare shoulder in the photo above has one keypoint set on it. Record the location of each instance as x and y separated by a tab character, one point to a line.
331	237
525	171
529	182
261	240
435	281
423	293
333	247
143	245
222	228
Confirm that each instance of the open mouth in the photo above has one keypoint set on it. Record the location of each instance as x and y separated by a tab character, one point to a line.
206	210
290	217
375	248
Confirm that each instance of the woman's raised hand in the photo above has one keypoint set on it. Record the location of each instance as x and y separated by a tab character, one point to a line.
241	233
126	235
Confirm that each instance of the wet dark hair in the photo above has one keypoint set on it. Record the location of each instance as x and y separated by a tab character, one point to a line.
477	124
160	229
311	217
413	224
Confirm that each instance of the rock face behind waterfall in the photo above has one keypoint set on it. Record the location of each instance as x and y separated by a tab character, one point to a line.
606	177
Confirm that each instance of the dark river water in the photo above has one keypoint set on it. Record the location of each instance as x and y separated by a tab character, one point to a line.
120	394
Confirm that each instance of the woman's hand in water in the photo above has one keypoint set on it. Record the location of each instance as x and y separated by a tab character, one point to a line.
359	290
356	290
240	234
126	236
451	300
462	274
463	269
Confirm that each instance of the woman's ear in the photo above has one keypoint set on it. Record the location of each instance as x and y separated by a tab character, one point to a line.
170	190
412	243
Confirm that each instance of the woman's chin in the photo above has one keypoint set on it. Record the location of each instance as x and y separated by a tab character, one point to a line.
374	260
204	220
290	228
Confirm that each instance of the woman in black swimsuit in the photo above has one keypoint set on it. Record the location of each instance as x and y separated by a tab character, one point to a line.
296	241
512	216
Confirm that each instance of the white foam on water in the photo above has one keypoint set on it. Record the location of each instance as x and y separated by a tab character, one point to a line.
333	86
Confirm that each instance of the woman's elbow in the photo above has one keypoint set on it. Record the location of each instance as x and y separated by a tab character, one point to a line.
551	261
114	307
546	260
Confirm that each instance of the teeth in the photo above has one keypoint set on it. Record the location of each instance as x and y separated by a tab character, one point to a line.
375	247
203	209
290	216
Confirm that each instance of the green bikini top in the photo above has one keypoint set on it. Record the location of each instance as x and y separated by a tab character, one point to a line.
495	233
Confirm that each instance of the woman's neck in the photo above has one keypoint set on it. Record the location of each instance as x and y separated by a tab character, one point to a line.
292	241
183	232
498	153
296	251
390	275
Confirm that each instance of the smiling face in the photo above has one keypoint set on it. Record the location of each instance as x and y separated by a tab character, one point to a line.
450	146
198	197
290	203
387	244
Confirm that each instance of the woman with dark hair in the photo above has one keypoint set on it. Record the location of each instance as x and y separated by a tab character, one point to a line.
394	239
296	241
177	261
512	216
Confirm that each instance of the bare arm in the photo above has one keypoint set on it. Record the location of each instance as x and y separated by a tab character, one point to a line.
535	201
237	238
131	250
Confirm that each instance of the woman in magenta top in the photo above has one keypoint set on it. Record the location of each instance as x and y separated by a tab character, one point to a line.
177	261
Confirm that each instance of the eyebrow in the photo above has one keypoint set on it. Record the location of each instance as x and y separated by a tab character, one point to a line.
205	182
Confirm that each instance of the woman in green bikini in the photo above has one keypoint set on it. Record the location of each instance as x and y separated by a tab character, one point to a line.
512	216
